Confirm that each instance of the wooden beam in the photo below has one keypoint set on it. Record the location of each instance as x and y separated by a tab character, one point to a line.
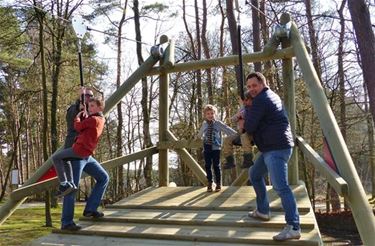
335	180
110	164
190	162
243	177
181	144
362	211
290	104
224	61
35	188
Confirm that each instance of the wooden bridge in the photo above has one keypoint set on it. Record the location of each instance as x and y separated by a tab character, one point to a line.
190	215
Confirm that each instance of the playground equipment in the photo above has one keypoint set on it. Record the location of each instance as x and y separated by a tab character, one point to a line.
346	183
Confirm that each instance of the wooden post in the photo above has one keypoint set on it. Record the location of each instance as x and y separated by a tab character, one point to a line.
290	105
166	61
190	161
269	54
361	209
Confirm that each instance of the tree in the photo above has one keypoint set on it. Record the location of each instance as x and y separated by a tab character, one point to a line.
144	101
256	32
40	17
366	42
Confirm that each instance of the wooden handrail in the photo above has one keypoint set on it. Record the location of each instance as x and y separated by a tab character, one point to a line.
334	179
35	188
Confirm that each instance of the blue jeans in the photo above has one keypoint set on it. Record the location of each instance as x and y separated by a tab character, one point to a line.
95	170
212	158
276	163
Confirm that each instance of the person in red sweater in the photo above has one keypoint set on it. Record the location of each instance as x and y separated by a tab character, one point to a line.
89	130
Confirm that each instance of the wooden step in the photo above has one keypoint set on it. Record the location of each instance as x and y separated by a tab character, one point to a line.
84	240
190	198
198	217
222	234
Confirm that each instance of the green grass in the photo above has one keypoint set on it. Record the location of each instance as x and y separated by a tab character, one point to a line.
28	224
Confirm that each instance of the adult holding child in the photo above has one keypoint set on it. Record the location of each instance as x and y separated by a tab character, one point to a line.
267	121
88	165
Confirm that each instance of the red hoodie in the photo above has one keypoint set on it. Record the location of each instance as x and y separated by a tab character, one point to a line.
89	131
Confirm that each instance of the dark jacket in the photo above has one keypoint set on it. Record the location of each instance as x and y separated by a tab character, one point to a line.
71	134
268	122
89	131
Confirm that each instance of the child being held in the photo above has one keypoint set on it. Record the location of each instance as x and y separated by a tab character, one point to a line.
211	132
89	131
241	138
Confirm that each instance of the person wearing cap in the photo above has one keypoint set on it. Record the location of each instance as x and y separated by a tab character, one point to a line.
90	166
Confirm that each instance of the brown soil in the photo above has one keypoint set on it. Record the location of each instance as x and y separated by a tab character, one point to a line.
338	228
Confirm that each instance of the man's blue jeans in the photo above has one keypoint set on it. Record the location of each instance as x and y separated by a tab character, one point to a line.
276	163
93	169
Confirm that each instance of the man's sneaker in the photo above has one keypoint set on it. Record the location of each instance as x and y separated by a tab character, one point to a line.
288	233
71	227
259	216
94	214
64	190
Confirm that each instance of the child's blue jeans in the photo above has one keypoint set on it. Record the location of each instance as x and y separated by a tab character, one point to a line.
212	158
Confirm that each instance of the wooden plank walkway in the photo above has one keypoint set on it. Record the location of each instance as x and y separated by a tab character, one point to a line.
189	216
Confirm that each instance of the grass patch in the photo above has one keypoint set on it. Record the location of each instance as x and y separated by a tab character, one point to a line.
28	224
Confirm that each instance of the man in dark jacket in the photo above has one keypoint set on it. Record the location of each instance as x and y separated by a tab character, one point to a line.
267	121
88	165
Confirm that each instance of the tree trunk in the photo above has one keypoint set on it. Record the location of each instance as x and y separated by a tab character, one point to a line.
120	169
313	39
233	38
40	16
334	197
206	51
371	145
366	42
256	32
147	172
268	71
226	84
199	57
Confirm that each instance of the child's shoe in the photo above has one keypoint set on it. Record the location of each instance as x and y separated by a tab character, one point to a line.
230	162
209	187
247	160
64	189
75	188
218	188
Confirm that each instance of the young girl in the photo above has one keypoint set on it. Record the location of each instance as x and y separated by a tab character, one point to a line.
211	131
89	131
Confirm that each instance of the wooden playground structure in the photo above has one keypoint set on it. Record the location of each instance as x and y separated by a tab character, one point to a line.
187	215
